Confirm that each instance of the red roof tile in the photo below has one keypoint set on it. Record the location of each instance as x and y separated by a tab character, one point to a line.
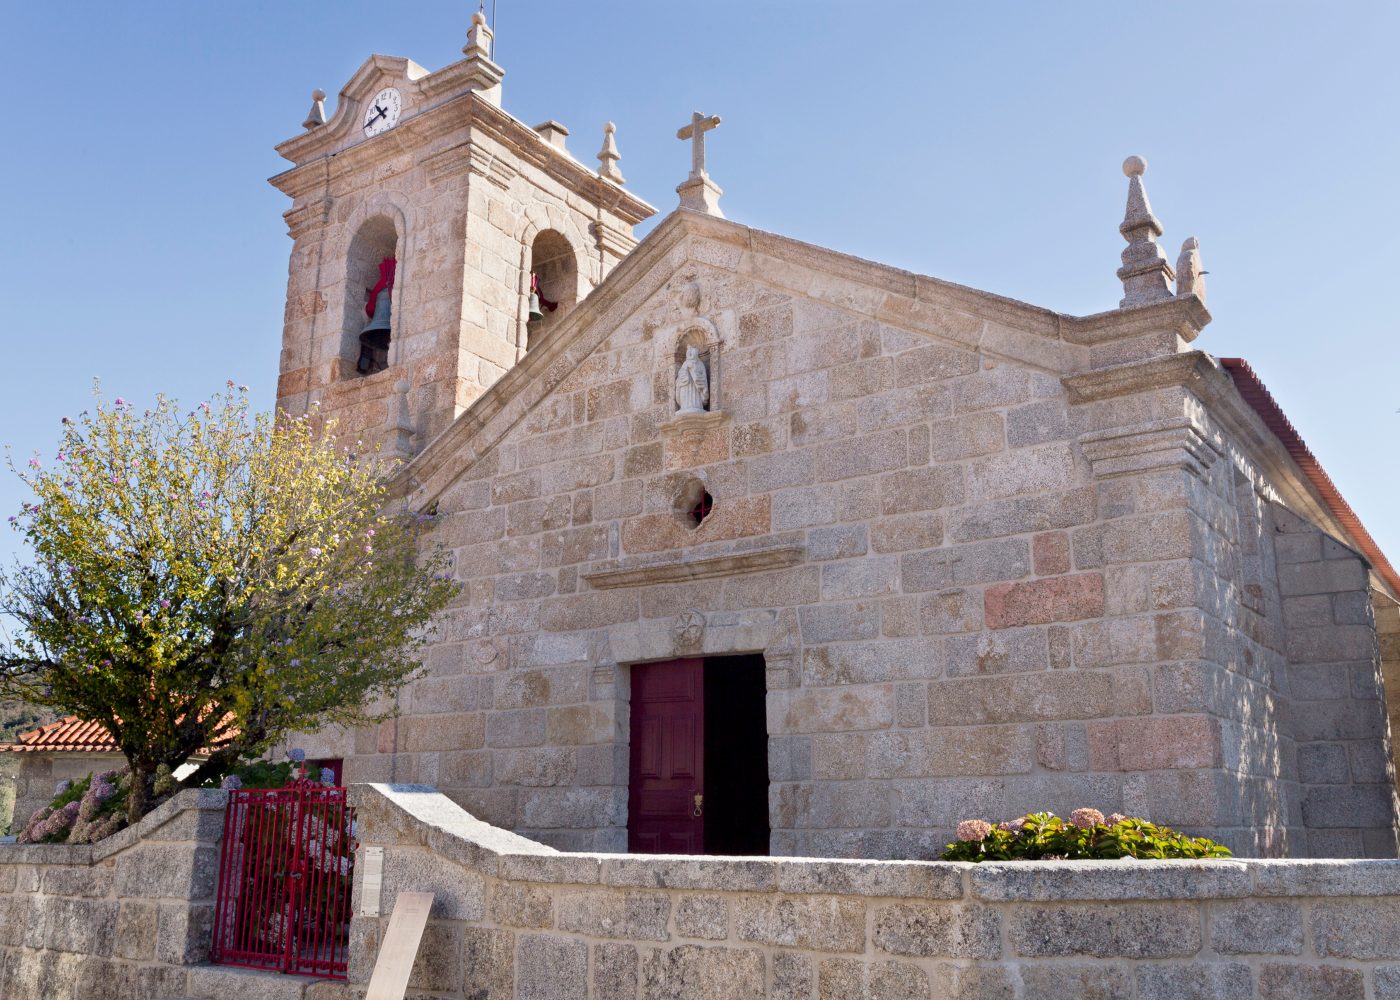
68	734
1257	395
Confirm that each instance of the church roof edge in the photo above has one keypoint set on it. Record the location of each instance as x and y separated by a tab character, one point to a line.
1262	401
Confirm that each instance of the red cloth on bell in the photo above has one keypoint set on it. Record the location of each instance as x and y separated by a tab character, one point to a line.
386	282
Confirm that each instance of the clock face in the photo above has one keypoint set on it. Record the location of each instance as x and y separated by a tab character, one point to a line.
383	112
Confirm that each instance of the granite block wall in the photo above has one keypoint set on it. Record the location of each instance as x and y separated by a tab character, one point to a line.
120	920
513	918
1338	714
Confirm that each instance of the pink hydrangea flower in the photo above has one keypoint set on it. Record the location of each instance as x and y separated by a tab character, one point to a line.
973	829
1115	818
1013	825
1086	819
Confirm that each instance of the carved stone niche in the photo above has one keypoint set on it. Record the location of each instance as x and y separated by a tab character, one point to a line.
695	370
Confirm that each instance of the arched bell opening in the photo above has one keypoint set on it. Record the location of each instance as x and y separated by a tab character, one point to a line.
553	285
371	265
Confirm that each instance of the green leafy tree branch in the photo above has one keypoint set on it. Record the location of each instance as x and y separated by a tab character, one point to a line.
205	582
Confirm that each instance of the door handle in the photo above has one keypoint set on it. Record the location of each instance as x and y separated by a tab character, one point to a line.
699	809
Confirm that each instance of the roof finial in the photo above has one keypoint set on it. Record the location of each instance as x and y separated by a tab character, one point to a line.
483	75
479	37
316	117
608	156
699	193
1190	279
1145	272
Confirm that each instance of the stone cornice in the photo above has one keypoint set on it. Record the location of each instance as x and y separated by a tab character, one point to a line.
640	573
1159	444
1183	369
531	147
460	75
1186	316
1013	330
415	134
1225	418
307	218
611	240
470	157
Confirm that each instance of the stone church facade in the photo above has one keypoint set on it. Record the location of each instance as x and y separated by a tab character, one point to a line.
921	553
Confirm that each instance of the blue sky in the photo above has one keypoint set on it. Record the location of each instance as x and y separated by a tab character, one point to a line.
980	143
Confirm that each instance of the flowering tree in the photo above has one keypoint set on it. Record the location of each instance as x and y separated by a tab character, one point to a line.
210	581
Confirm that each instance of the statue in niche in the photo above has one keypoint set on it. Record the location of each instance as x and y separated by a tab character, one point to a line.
692	383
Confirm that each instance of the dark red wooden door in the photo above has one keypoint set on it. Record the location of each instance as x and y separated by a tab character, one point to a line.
666	800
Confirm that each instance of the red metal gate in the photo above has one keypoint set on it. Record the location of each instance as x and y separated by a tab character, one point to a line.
284	880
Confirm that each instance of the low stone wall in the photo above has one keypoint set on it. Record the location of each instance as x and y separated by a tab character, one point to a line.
119	920
513	918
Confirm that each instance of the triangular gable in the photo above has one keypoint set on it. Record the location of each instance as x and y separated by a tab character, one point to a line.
999	328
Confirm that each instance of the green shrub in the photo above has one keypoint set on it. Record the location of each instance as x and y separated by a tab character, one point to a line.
254	774
1085	835
262	773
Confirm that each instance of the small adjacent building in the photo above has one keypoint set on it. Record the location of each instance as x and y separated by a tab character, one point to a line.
67	750
767	548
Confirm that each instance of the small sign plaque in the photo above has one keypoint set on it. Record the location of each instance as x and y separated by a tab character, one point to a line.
373	885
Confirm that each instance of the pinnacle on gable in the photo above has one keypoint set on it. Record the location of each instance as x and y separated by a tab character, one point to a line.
1145	273
479	38
1190	278
608	156
316	117
482	74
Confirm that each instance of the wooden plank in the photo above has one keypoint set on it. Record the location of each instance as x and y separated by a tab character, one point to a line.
400	946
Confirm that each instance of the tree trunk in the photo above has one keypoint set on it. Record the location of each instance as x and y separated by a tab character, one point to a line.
138	799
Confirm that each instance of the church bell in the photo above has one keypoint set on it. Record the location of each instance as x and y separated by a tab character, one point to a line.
538	303
374	339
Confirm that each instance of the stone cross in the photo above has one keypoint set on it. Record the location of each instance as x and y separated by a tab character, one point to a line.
695	132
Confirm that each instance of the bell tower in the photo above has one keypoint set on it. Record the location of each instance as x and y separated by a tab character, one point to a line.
425	221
